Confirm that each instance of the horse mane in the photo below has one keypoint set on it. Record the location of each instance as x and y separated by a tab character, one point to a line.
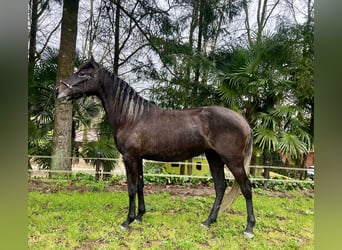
129	105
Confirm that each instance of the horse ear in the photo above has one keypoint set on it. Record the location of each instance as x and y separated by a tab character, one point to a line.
92	60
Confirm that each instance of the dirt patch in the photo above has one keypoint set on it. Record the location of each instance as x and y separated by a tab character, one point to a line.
52	186
197	191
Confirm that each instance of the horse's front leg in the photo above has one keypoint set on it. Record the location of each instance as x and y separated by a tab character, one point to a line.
132	179
141	201
217	171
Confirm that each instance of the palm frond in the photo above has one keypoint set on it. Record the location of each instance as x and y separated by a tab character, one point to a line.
284	112
290	144
266	139
267	121
305	137
228	95
105	147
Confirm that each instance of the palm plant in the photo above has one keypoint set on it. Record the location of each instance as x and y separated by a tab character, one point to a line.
40	108
41	114
258	83
281	131
103	147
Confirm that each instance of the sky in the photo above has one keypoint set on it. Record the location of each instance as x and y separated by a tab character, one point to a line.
50	20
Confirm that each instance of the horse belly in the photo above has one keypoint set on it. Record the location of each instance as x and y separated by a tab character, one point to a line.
175	146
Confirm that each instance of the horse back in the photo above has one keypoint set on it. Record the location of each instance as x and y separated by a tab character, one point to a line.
181	134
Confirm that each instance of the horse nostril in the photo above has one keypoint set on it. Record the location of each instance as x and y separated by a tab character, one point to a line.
69	86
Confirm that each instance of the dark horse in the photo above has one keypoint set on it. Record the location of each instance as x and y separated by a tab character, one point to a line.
142	130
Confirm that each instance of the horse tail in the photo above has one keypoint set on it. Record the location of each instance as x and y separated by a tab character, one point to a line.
234	192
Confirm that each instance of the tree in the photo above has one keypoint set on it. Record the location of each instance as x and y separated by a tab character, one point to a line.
33	31
40	107
264	10
266	82
61	144
37	8
187	52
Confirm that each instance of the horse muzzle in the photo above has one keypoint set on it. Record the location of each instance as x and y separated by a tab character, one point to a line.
62	95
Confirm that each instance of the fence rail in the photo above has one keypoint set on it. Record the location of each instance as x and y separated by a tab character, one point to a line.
228	176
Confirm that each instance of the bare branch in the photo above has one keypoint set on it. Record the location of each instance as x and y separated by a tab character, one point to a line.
48	38
144	33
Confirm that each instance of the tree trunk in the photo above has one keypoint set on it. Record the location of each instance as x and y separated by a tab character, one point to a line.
193	25
252	171
117	39
61	145
33	40
199	44
33	32
247	25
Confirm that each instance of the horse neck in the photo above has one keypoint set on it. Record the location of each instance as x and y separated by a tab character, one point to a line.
121	102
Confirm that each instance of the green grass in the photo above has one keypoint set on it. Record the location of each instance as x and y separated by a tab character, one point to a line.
90	220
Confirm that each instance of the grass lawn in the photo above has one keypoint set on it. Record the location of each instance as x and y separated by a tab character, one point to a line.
90	220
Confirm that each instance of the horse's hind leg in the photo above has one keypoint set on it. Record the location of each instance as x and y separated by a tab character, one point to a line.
216	166
240	176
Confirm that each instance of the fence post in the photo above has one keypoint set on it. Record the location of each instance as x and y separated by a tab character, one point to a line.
266	174
97	166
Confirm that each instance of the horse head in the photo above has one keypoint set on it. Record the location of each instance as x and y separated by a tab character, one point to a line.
85	81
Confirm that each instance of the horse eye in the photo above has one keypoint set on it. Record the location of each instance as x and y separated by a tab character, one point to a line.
81	74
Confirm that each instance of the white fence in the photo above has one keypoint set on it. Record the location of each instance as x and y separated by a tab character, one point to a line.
119	170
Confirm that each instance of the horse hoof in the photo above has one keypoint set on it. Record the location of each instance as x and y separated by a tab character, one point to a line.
248	235
123	228
204	225
137	221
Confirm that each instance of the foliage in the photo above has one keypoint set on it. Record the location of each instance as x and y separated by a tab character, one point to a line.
275	183
40	107
183	81
154	167
179	90
41	115
102	148
265	82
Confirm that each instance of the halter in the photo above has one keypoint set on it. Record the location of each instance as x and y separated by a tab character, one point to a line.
85	81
